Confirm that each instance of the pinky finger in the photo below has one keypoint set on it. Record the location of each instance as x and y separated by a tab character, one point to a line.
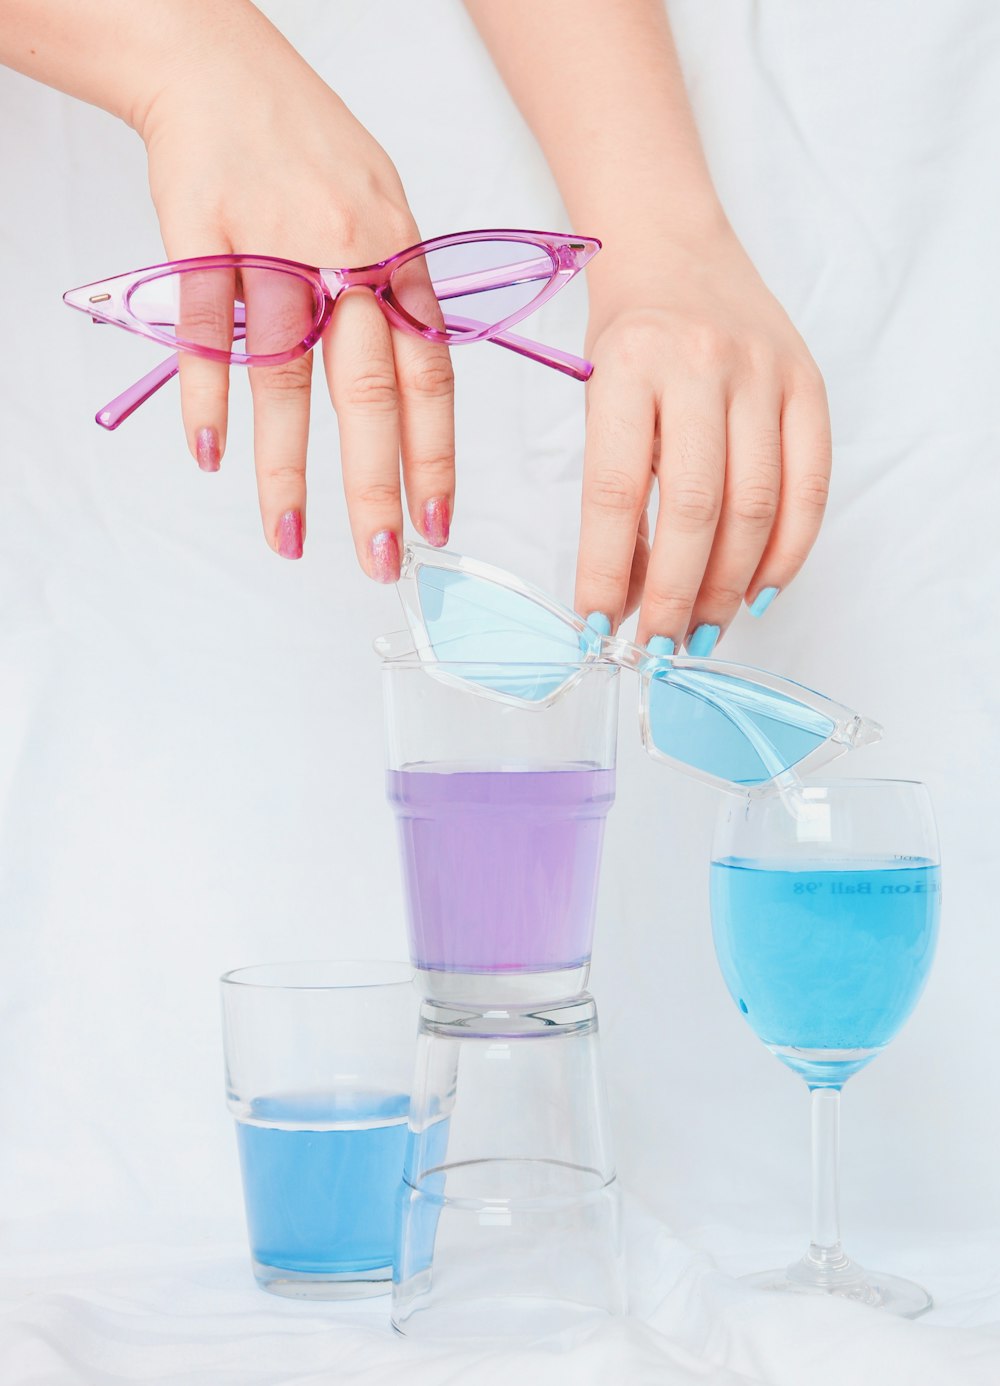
805	484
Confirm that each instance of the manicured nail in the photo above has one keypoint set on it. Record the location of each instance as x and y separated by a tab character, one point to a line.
207	446
437	522
598	622
290	534
702	643
762	601
597	626
660	645
384	550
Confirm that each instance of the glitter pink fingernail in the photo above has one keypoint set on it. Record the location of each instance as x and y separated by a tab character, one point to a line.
207	447
384	550
437	521
290	534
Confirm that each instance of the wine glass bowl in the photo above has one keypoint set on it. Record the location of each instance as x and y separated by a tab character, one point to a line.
825	908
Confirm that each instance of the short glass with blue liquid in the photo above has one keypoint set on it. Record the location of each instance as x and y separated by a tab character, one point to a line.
319	1059
825	908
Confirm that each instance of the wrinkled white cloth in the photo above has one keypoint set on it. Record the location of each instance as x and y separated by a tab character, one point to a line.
190	740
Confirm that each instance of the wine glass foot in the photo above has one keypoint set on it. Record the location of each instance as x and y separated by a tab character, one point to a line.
847	1280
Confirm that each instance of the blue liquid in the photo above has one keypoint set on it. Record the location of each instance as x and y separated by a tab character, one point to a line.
825	956
321	1187
417	1220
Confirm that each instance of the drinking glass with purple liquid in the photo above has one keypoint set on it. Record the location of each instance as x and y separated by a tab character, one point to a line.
500	808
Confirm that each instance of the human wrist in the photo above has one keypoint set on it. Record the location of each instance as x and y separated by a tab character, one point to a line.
206	51
675	248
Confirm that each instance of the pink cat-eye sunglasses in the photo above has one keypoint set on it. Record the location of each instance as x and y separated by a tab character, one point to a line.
279	308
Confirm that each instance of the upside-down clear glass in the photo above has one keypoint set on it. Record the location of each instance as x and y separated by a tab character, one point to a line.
509	1221
825	908
319	1059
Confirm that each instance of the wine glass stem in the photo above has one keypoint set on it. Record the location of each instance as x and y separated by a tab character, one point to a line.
825	1240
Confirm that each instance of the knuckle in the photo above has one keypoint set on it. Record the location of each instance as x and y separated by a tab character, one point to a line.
812	492
431	464
806	382
289	377
616	490
764	450
699	446
754	504
205	394
209	318
370	389
370	217
760	358
708	347
719	596
378	194
431	378
341	224
692	503
598	575
636	343
377	495
789	559
672	602
283	474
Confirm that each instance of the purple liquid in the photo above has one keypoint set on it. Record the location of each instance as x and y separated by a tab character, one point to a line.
501	866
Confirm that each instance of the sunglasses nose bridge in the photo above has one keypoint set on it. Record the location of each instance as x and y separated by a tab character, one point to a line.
624	653
334	281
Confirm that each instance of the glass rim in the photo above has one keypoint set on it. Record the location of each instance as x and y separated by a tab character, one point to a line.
410	662
853	782
395	650
391	972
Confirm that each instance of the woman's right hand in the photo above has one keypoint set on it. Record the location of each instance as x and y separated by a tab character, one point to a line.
250	151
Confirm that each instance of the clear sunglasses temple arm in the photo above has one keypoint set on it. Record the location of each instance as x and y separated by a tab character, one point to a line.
117	410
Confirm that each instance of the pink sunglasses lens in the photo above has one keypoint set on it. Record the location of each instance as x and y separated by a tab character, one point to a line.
457	290
265	311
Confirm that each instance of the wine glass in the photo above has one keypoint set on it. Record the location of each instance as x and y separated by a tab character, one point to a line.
825	906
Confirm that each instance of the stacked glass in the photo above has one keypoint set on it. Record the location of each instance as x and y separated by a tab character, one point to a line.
509	1217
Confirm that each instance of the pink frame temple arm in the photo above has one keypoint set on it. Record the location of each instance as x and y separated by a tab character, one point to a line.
565	361
117	410
500	277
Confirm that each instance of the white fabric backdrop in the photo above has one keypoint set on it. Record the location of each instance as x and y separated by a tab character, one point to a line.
190	752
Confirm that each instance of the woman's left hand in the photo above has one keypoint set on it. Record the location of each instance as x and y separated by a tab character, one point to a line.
702	386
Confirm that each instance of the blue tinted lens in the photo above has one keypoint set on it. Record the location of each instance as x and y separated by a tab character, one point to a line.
729	728
472	620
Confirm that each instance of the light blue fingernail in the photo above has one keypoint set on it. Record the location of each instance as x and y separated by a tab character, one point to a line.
660	645
598	626
702	643
763	600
